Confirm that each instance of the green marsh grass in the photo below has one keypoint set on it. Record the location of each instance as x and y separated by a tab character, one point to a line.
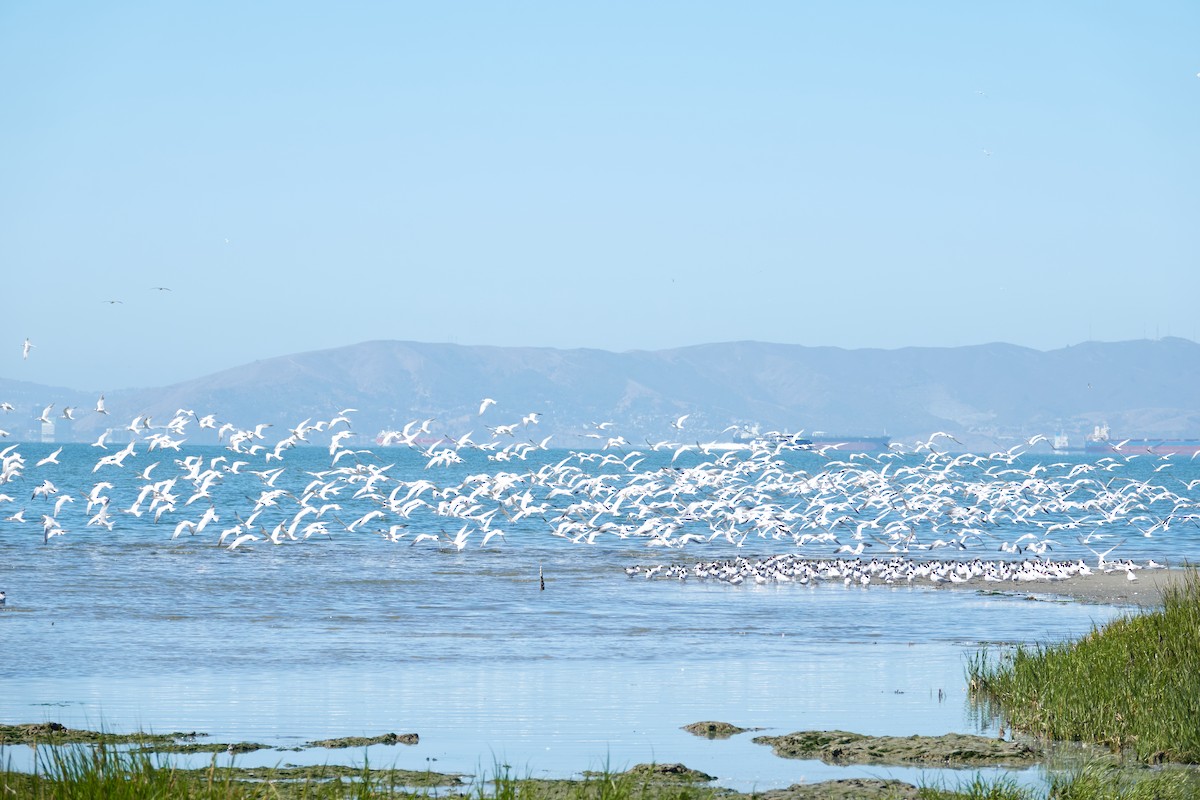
601	785
1109	782
93	772
1133	685
76	772
1092	781
981	789
100	772
103	772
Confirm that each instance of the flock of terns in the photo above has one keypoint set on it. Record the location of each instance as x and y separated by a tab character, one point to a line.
855	517
788	568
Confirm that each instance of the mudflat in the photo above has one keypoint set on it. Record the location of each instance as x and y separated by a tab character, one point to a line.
1109	588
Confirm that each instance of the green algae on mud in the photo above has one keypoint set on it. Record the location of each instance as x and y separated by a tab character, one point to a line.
55	733
845	789
664	772
640	782
363	741
951	749
716	730
233	748
636	785
644	782
85	771
292	773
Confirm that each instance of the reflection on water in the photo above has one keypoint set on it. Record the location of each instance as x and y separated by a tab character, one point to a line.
547	717
483	665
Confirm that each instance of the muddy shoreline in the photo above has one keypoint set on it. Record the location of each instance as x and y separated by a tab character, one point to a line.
960	752
1105	588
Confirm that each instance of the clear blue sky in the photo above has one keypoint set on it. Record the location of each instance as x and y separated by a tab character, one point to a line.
617	175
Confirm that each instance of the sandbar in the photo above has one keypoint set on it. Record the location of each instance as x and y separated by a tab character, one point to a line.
1107	588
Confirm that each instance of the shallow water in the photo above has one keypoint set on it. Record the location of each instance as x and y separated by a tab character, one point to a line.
356	635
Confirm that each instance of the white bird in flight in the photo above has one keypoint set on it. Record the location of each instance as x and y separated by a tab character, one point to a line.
487	401
26	348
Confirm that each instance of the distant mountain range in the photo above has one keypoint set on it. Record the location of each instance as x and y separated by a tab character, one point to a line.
986	395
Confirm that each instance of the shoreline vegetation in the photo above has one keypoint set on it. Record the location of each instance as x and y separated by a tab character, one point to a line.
91	772
1131	687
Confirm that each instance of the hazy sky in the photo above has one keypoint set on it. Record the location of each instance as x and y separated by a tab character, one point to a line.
617	175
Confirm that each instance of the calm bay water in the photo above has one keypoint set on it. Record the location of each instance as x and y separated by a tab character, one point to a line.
352	634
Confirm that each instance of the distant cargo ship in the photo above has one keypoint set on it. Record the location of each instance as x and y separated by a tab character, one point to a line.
1062	444
820	440
1099	441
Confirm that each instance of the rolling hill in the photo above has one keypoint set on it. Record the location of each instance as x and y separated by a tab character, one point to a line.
985	395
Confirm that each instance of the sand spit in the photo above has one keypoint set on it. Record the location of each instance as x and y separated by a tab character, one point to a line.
1107	588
